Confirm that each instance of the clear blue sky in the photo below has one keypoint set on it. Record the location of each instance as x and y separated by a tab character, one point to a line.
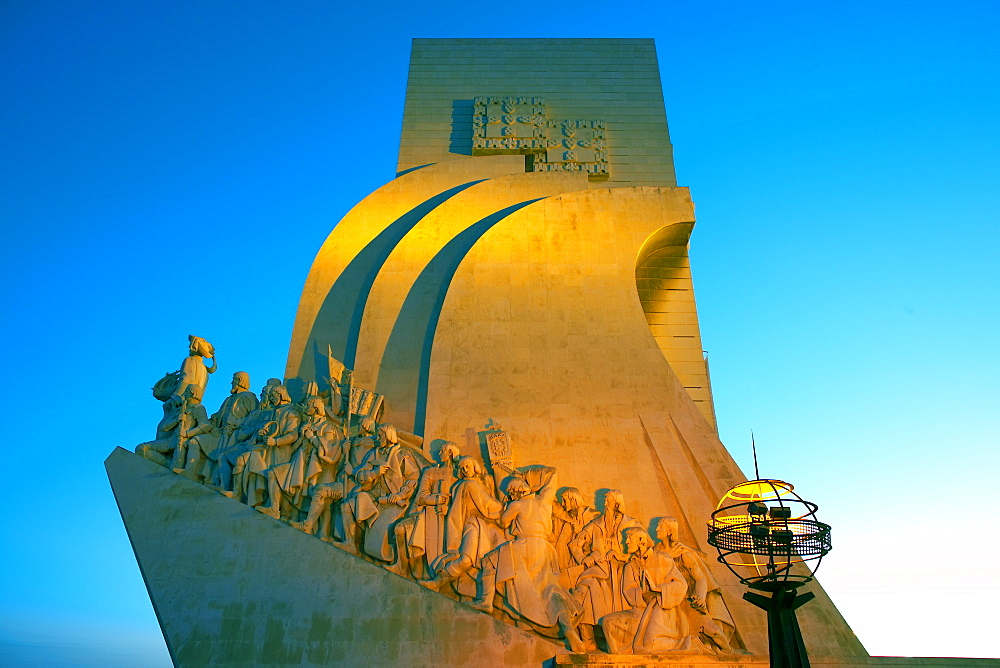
172	167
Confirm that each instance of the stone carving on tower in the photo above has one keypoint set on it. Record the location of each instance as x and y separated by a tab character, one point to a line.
519	125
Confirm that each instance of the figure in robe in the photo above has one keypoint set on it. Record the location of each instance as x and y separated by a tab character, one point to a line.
569	516
346	457
654	590
358	449
471	531
228	420
598	548
709	618
270	445
196	438
161	450
522	574
231	466
386	480
315	459
420	535
193	369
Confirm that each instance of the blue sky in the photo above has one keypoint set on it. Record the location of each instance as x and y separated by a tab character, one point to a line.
172	168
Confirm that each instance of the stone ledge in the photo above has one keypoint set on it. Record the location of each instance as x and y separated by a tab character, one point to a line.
233	587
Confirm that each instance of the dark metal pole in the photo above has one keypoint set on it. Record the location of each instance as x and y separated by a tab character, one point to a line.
784	636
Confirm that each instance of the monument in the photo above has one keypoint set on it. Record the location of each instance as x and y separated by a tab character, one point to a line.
494	442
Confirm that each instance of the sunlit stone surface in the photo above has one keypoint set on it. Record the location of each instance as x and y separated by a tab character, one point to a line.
494	443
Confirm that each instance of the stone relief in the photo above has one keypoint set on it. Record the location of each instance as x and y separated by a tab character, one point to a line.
520	125
503	539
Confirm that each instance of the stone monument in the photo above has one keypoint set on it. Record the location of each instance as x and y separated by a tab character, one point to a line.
494	443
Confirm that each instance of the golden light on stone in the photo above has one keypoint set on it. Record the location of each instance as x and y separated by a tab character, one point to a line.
527	266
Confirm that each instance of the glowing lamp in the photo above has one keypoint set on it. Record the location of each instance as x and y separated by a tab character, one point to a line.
769	537
764	531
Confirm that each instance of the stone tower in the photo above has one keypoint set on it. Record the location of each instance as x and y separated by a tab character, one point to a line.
527	267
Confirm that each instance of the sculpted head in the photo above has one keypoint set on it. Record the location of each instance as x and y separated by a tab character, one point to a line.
199	347
314	407
637	540
613	502
387	435
571	499
267	392
241	382
518	489
280	395
468	467
448	453
666	530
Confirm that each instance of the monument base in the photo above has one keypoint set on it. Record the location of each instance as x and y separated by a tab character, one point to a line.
233	587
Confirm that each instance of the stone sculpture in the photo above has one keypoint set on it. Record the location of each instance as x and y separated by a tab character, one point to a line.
569	516
269	446
522	572
386	480
193	370
228	420
420	536
196	437
598	548
505	543
471	530
184	437
315	467
710	620
238	446
314	460
654	589
161	449
342	460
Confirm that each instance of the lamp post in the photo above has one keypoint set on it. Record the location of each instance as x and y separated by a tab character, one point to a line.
765	534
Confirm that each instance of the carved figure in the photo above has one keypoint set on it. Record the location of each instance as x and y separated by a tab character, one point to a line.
193	369
323	474
420	534
523	571
228	419
569	516
387	478
471	528
710	619
231	467
557	568
315	459
161	449
654	589
598	548
196	437
349	455
359	448
270	445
